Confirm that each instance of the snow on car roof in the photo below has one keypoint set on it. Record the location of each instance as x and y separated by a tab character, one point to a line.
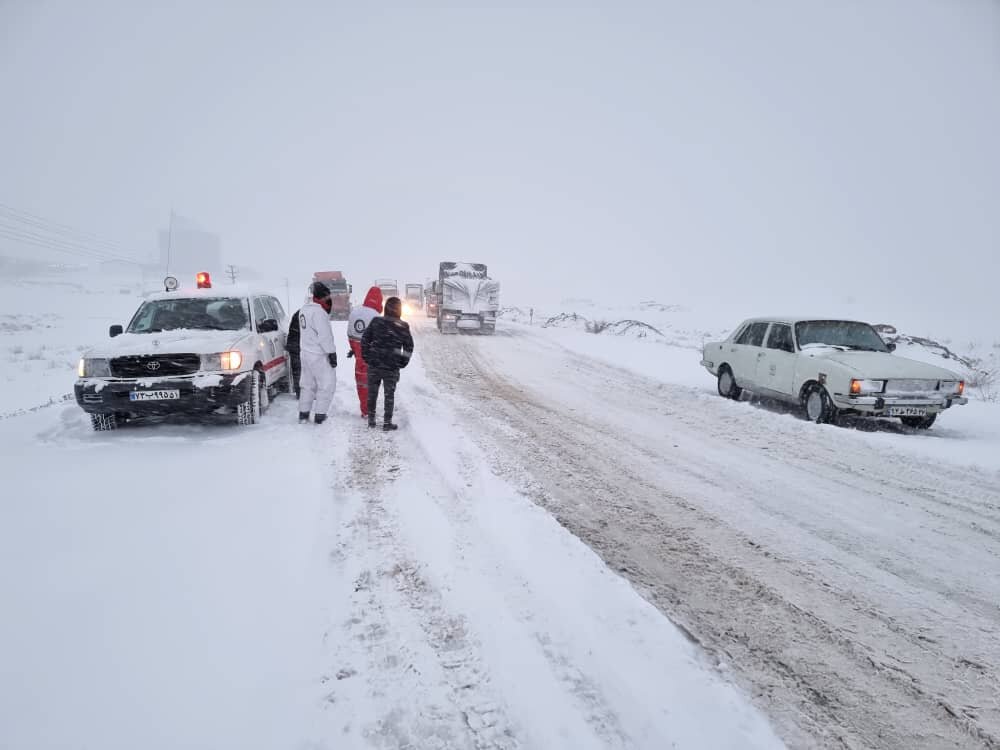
792	319
230	290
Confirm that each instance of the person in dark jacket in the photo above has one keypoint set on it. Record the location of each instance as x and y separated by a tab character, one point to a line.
294	358
386	347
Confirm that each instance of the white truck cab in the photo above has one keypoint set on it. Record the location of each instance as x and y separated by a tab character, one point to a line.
200	351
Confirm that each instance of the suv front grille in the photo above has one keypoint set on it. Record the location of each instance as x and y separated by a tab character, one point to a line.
155	365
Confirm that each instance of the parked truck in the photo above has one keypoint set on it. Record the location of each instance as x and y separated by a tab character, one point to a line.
340	293
468	299
431	299
389	287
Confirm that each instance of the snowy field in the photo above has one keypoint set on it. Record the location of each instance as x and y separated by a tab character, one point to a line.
572	542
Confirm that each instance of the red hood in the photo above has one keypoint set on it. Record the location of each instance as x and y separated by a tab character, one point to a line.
374	299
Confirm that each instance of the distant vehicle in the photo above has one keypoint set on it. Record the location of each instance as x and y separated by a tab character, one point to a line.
389	287
830	368
413	298
340	293
201	351
468	298
431	298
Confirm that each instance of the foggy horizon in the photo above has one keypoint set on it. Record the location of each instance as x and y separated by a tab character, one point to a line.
759	159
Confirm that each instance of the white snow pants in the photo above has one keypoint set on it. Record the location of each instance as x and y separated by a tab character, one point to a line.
318	383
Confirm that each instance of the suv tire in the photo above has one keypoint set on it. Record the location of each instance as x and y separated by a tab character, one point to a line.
248	412
104	422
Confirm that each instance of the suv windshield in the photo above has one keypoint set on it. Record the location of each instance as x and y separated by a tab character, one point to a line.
842	333
206	314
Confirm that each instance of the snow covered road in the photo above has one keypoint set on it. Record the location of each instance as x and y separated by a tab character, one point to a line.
318	588
848	580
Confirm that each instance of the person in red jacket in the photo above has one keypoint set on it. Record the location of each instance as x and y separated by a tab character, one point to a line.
356	324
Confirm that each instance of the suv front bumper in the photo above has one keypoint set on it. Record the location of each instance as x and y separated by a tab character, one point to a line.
199	394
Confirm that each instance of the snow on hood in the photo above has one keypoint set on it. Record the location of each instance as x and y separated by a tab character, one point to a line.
882	364
180	341
374	299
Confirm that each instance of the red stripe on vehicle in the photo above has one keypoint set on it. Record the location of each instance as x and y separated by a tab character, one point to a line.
273	363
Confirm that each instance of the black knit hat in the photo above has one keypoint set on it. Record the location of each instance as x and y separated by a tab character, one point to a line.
320	290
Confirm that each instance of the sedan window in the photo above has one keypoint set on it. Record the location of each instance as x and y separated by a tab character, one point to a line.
753	335
781	338
843	334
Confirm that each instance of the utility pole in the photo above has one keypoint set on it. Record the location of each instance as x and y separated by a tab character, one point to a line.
231	270
288	298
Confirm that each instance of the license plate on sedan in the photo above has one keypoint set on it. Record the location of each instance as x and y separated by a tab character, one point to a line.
171	395
907	411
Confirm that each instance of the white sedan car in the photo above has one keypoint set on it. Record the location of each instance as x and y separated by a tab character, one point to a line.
830	368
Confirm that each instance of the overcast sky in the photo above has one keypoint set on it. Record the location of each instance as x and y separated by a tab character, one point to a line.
844	153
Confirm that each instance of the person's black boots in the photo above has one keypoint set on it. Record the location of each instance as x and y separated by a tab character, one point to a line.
388	426
319	418
371	422
303	416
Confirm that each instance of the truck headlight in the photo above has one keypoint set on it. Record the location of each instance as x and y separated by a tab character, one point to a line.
859	387
221	361
94	368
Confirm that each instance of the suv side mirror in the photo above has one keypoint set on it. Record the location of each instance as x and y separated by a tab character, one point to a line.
891	347
350	288
267	326
115	331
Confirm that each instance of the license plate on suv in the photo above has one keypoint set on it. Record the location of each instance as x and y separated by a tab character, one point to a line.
907	411
170	395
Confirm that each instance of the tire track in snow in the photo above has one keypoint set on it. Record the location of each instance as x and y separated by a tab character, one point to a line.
392	585
585	690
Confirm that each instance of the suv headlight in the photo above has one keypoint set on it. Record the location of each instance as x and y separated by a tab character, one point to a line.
859	387
223	361
94	368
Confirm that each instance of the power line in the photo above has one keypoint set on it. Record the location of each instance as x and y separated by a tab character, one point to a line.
63	246
55	227
31	229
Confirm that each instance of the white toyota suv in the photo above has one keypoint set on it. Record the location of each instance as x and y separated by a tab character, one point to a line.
201	351
830	368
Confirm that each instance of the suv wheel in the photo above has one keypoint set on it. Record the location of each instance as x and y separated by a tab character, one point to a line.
248	412
817	405
919	423
104	422
727	384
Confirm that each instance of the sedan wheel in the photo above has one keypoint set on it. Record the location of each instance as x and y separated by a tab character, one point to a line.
727	384
818	406
919	423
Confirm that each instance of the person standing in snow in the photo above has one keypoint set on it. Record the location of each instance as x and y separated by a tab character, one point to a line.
386	347
318	352
357	323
